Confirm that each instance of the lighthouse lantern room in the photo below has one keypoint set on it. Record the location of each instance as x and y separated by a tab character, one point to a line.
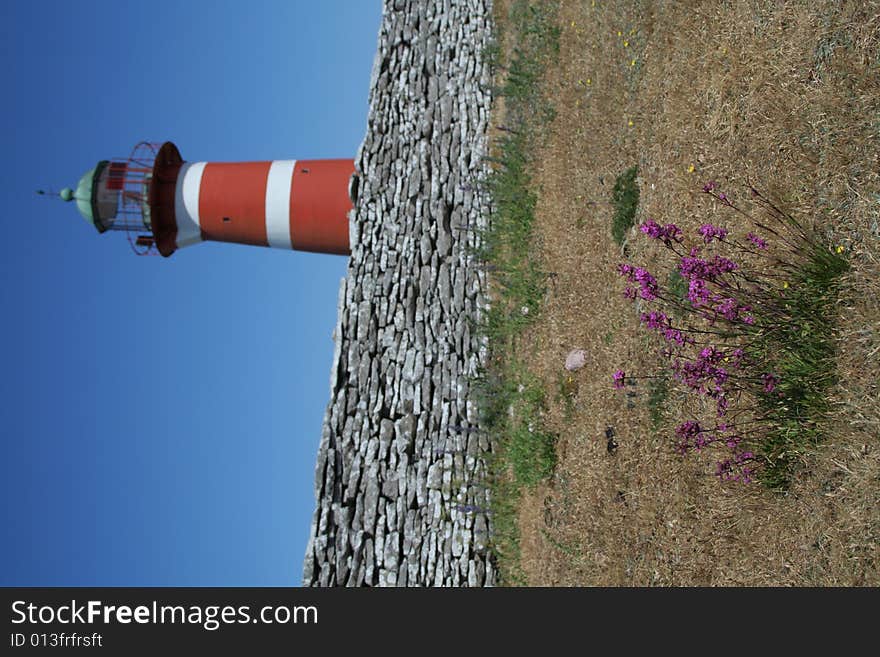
163	203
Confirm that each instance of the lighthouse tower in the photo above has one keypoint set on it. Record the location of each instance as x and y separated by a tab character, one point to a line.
164	203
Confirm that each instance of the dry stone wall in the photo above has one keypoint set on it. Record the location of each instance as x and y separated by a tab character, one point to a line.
401	497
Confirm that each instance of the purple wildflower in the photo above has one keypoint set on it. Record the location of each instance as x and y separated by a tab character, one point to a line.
688	429
710	232
698	292
673	232
711	355
655	320
690	374
738	355
668	233
703	375
676	336
709	186
691	267
721	405
690	436
641	274
647	282
652	229
757	241
724	470
727	308
619	379
724	265
770	382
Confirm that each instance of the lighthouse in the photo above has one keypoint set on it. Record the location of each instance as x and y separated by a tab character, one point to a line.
163	203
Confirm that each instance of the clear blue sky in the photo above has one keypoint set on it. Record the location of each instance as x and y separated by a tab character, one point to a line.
160	417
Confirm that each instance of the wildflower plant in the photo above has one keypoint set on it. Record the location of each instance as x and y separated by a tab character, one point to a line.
751	337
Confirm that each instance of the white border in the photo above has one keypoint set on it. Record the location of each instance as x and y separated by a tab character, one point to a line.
186	203
278	186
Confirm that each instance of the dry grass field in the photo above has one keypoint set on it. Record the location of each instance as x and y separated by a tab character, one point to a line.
786	96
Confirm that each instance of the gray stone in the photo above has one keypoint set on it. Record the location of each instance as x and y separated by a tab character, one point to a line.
403	349
435	475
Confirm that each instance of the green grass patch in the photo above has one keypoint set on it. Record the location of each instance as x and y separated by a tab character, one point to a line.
625	200
512	402
518	281
801	353
677	285
658	391
530	449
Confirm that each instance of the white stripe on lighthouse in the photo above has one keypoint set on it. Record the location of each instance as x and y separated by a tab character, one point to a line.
186	203
278	185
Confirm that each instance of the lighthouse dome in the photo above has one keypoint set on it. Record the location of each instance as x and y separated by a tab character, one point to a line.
97	194
83	195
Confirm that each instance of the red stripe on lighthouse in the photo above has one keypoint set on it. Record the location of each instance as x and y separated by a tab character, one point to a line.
319	205
232	202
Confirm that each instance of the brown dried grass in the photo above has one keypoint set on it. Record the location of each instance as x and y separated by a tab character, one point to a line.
787	96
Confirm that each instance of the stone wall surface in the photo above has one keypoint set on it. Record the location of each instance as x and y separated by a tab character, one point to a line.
400	473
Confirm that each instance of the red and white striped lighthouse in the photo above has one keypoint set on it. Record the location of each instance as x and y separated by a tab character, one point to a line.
164	203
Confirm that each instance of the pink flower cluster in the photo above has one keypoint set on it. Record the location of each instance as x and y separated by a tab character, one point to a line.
710	232
692	267
667	234
736	468
647	284
717	290
657	321
757	241
705	376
